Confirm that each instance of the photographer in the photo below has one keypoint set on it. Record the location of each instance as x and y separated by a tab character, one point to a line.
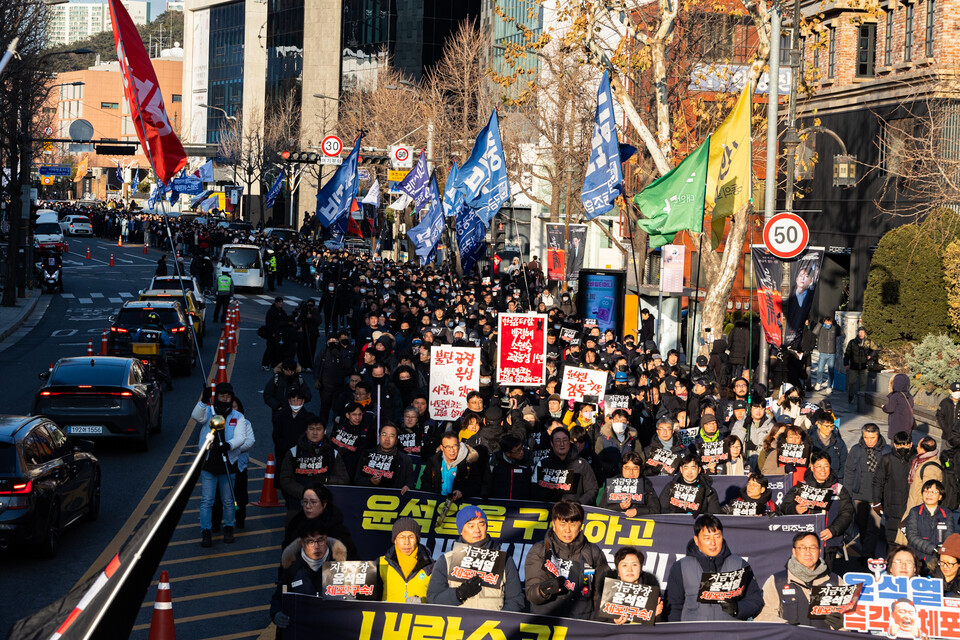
226	457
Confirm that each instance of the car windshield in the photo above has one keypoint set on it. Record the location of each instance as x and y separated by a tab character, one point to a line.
109	374
8	457
138	317
172	282
48	228
241	258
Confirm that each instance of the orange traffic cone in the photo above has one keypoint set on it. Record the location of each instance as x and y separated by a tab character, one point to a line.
90	347
66	247
268	496
161	625
231	340
111	260
120	241
144	248
221	370
103	342
88	253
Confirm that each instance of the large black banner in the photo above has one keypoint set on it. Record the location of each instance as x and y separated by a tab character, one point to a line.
728	487
370	513
315	618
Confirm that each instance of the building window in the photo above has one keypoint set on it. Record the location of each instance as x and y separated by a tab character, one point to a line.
816	57
888	40
832	52
866	51
717	41
908	35
177	97
928	35
109	105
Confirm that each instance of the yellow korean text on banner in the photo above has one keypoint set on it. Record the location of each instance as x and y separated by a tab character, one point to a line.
729	168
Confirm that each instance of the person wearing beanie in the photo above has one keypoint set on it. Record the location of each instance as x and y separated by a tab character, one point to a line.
473	592
406	566
709	444
948	567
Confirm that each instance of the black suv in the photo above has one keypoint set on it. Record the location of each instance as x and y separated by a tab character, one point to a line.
177	336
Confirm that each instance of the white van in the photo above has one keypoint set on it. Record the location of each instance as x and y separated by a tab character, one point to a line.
244	264
47	233
47	215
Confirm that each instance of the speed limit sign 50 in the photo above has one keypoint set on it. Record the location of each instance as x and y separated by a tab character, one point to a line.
786	235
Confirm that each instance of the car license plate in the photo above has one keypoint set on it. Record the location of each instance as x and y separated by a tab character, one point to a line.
239	270
89	429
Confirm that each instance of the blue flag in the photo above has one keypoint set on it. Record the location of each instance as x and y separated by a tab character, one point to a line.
426	235
120	174
196	200
601	186
274	191
335	198
155	195
210	203
470	235
135	179
483	177
452	199
338	231
417	183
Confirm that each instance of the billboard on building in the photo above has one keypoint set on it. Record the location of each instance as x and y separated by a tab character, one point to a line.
201	62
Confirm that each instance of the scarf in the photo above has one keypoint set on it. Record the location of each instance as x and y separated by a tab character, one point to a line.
313	564
666	444
873	457
407	562
918	462
803	574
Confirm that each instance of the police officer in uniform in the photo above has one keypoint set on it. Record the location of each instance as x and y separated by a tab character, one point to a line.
224	293
271	269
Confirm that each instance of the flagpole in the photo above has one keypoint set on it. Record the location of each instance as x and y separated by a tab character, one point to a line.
153	167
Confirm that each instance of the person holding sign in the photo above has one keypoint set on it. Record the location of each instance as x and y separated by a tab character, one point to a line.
563	474
709	444
302	573
634	591
928	526
710	582
754	500
406	566
631	493
561	570
788	452
821	493
475	574
386	466
690	491
787	594
617	433
752	430
664	450
312	460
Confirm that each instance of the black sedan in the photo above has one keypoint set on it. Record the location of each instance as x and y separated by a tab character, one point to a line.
47	482
101	397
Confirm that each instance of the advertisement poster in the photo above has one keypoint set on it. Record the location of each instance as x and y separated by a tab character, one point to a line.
578	383
576	245
673	256
901	607
601	299
521	349
556	252
454	373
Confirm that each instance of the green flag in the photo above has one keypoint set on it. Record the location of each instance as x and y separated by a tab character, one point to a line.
674	202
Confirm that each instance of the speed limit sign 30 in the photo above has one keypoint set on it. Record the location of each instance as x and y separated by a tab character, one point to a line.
332	146
786	235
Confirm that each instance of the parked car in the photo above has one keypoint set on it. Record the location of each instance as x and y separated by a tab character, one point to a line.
47	482
286	235
133	316
101	397
76	226
190	303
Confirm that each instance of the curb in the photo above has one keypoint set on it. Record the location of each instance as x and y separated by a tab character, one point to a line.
28	308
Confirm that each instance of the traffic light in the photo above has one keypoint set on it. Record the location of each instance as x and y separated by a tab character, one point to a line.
303	157
375	160
500	236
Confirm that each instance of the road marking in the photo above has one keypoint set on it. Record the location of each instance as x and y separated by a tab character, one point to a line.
271	549
263	296
214	594
124	294
209	616
84	300
275	514
250	481
243	534
116	300
265	303
96	295
238	636
67	295
214	574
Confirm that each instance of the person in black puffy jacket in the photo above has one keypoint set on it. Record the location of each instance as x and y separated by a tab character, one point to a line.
690	491
630	492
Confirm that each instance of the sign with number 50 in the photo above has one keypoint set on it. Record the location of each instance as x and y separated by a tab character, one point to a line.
786	235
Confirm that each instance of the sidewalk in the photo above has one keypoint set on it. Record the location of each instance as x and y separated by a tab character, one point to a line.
12	318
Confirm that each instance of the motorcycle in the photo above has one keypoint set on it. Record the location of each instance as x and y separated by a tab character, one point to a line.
50	276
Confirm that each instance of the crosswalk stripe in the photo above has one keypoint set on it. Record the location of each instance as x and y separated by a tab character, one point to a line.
263	296
265	303
84	300
116	300
96	295
124	294
292	299
67	295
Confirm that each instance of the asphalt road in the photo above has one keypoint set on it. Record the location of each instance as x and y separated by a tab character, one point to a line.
221	592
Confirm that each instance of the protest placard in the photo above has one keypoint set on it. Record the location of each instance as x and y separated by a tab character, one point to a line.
454	373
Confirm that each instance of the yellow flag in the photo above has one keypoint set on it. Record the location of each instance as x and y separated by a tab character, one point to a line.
82	169
729	170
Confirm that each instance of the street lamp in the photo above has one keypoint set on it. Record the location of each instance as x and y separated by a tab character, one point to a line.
233	119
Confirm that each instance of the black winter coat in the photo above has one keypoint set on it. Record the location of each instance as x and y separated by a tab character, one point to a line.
890	485
582	562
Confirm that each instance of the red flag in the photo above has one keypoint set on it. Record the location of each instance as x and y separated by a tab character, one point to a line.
353	227
143	95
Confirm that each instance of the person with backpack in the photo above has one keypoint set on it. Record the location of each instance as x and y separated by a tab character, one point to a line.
928	525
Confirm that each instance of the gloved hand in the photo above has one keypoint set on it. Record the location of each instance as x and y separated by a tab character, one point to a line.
730	607
552	588
205	396
282	620
469	589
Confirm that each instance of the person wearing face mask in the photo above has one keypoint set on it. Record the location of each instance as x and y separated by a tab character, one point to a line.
332	365
311	460
226	457
290	423
789	404
584	415
563	474
616	433
948	413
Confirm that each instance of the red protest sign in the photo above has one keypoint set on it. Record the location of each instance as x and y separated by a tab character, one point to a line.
522	348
